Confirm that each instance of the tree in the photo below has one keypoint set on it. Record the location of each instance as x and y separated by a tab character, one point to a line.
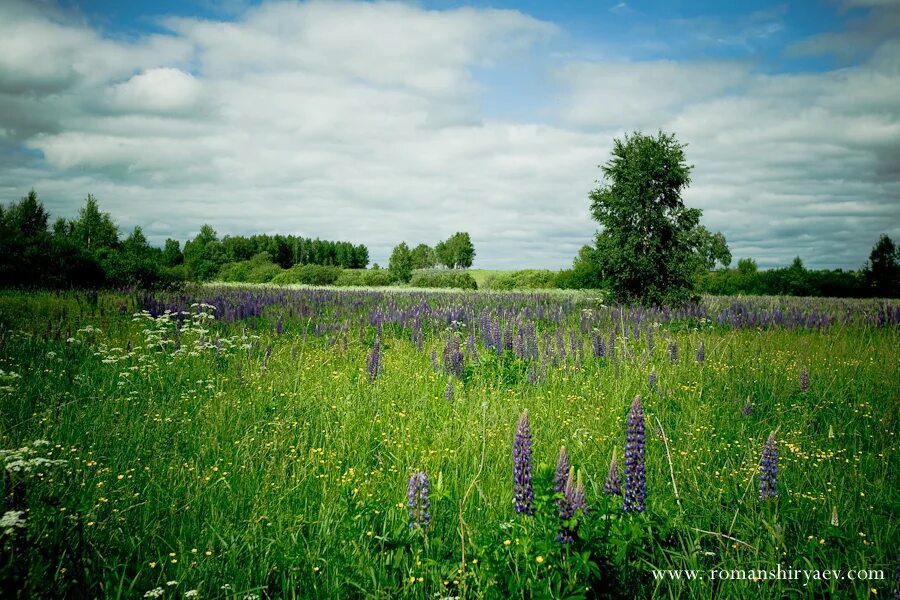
747	266
423	257
457	252
651	245
94	229
882	271
204	255
400	263
171	254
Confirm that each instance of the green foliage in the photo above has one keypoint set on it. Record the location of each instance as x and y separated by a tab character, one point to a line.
94	229
651	246
882	271
259	269
171	254
528	279
585	273
81	253
309	275
364	278
204	255
794	280
443	279
457	252
400	264
423	257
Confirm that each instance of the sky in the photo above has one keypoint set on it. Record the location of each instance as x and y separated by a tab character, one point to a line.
381	122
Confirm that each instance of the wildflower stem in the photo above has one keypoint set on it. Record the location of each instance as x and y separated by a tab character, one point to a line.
669	459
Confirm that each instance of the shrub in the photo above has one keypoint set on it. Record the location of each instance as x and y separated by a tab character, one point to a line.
364	278
259	269
443	279
309	275
530	279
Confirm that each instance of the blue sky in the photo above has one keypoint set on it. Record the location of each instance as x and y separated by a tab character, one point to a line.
379	122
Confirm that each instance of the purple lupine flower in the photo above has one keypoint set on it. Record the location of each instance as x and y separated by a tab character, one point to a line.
567	509
454	362
523	491
768	469
434	362
748	408
635	479
417	500
470	346
611	346
613	484
597	345
650	344
448	392
651	380
532	375
560	344
673	352
531	346
562	471
573	500
701	353
373	363
508	336
804	379
518	346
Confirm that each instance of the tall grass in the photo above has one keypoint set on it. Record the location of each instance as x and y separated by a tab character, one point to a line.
238	471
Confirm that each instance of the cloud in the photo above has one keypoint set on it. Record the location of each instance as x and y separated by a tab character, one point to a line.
162	90
364	122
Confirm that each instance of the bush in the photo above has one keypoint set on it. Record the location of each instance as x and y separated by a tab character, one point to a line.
259	269
364	278
527	279
309	275
443	279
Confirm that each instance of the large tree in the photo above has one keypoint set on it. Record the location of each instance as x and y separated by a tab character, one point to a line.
457	252
882	271
423	257
651	245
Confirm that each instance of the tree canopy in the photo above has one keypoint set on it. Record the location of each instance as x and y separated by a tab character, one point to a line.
651	246
457	252
882	271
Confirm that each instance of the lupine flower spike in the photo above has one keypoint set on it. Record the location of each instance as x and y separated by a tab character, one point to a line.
768	469
613	484
804	379
523	491
417	500
573	501
562	471
635	479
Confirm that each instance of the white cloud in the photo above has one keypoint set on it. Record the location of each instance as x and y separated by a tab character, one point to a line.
362	121
161	90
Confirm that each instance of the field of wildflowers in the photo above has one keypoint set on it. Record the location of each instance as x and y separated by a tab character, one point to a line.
279	443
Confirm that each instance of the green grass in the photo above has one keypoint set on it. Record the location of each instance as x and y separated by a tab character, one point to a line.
235	475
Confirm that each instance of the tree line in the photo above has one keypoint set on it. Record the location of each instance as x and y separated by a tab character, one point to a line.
456	252
88	251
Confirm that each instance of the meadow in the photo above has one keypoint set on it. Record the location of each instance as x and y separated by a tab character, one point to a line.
238	442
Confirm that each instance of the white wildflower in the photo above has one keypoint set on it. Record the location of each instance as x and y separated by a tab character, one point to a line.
154	593
11	520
